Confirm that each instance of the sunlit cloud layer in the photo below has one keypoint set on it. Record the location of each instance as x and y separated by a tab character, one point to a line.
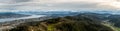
58	4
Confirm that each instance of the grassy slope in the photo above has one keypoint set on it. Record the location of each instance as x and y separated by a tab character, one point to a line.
111	26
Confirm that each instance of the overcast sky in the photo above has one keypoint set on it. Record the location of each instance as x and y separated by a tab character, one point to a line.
58	4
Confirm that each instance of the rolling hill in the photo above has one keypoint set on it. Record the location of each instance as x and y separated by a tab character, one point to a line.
68	23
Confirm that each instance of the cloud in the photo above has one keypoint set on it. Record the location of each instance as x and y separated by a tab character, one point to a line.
18	1
57	4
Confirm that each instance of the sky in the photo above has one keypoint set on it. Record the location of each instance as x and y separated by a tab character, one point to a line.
9	5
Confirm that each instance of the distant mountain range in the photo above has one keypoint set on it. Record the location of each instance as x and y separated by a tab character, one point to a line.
11	15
